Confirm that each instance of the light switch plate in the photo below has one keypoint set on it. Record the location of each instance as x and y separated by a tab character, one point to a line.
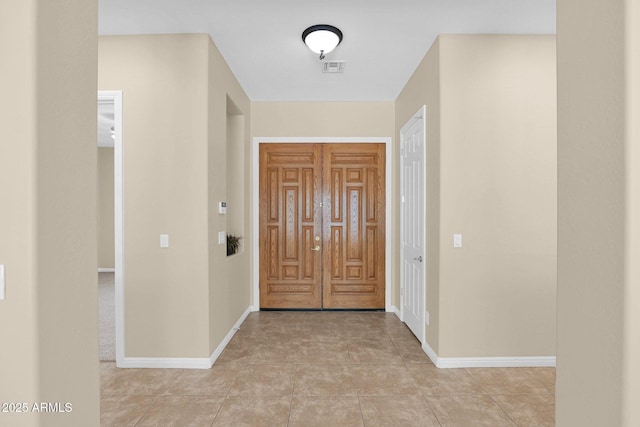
222	237
2	282
457	240
164	240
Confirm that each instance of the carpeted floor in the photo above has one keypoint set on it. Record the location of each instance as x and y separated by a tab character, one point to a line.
107	316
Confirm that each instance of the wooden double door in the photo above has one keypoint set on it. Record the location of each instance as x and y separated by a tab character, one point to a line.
322	226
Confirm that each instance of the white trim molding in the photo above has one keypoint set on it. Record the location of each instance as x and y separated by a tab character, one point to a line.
223	344
488	362
106	270
255	189
167	362
185	362
395	311
116	97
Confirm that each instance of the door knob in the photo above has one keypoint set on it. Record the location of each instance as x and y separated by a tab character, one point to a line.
316	248
418	258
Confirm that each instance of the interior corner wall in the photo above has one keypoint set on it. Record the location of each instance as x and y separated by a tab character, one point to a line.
229	277
423	88
491	149
595	171
48	216
165	84
106	233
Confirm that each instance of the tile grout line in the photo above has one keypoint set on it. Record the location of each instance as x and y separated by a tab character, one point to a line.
430	407
147	411
224	399
290	409
503	410
473	379
173	383
360	406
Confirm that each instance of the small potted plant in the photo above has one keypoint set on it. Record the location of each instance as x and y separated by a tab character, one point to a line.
233	244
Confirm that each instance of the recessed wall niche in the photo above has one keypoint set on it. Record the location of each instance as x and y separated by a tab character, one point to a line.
235	171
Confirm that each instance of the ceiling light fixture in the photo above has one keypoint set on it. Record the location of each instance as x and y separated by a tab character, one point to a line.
322	39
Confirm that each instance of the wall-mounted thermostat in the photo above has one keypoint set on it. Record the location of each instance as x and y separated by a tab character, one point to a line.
222	208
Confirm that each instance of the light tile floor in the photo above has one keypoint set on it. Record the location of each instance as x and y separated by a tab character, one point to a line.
326	369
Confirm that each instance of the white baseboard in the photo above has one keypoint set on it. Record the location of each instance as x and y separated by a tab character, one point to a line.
184	362
218	351
488	362
395	311
429	351
106	270
166	362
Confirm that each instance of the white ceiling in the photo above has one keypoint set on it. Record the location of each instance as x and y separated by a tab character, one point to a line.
384	41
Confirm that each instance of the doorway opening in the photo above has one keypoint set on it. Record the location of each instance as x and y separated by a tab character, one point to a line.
340	247
111	216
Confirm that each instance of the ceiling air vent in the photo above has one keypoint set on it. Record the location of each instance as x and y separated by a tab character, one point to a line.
333	67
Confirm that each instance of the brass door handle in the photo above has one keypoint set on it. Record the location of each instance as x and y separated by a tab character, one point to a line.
316	248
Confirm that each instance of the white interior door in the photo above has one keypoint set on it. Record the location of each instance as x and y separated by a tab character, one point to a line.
413	224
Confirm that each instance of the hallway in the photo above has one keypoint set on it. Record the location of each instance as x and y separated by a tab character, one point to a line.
326	369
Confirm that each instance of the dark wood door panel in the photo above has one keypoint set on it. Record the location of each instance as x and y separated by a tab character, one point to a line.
354	226
322	226
289	221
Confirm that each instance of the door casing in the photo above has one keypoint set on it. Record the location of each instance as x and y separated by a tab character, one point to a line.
255	216
418	118
115	96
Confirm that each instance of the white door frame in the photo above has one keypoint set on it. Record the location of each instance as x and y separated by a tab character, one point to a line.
255	191
421	114
118	189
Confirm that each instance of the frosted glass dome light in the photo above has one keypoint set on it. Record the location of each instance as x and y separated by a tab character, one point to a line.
322	39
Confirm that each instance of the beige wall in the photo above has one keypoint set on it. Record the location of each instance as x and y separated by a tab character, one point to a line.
598	276
180	301
106	239
229	277
498	188
236	174
353	119
494	182
48	217
19	358
164	82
